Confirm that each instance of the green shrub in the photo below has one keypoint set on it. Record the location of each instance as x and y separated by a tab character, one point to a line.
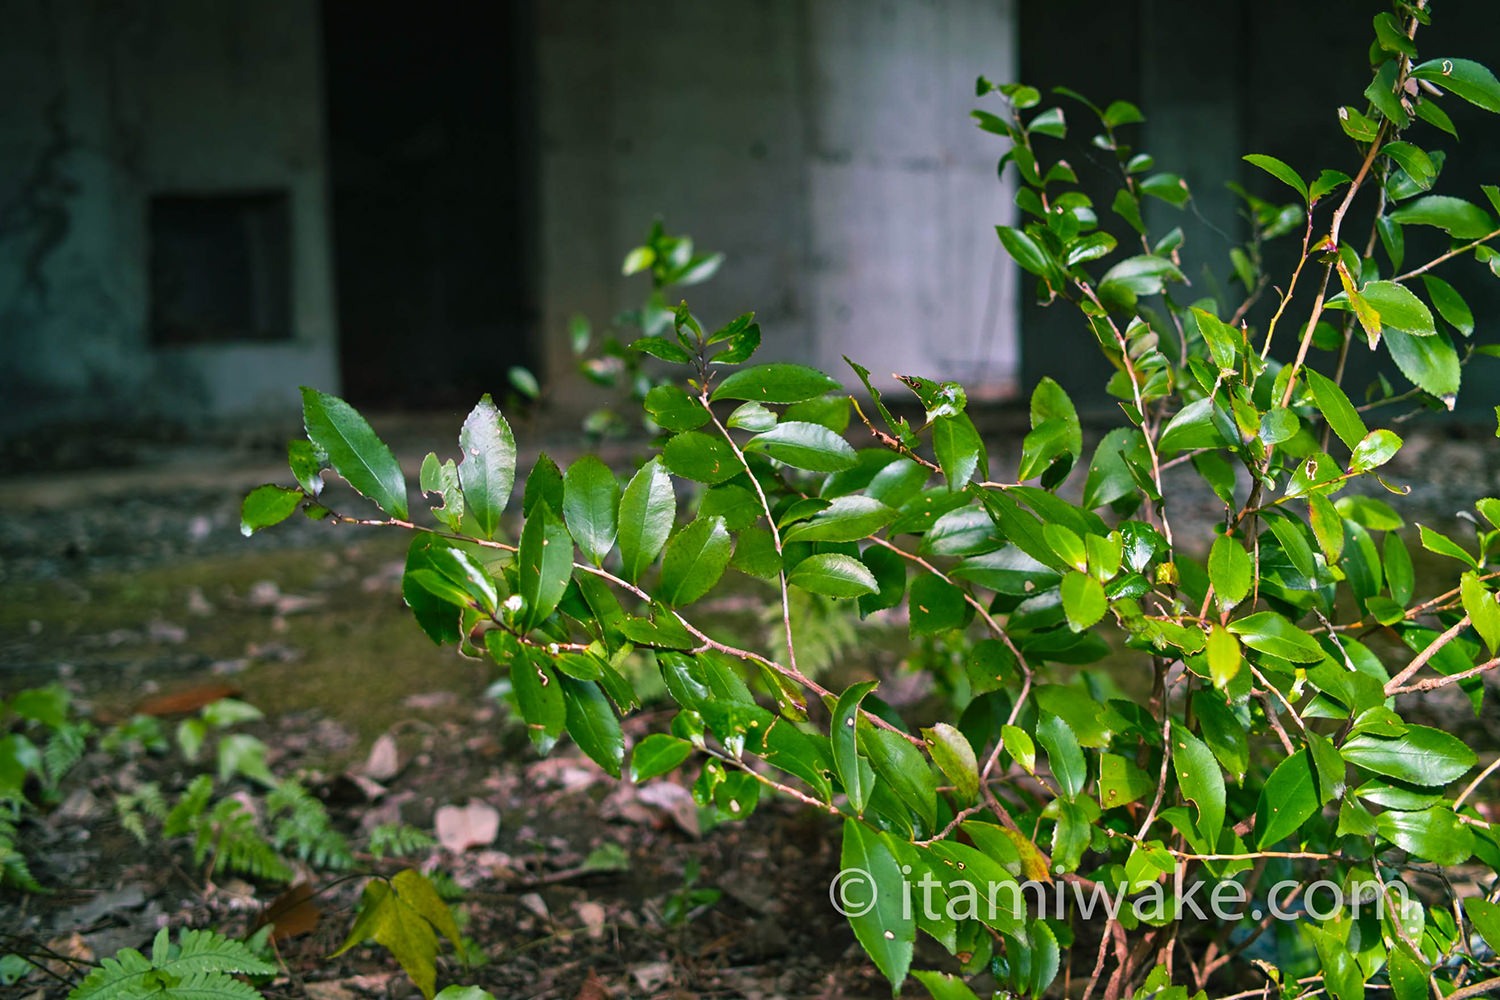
1143	702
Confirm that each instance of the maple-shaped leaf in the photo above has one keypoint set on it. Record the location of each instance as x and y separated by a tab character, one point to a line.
404	915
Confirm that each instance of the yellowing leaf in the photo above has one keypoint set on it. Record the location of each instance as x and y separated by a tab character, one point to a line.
404	915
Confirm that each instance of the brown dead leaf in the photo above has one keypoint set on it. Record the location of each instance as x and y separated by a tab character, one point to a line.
187	701
71	947
593	988
291	913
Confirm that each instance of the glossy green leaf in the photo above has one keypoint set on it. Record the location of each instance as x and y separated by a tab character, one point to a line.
776	383
593	725
694	560
1433	834
355	452
1194	426
267	505
1377	448
1083	600
882	925
306	464
662	349
833	574
440	479
1328	181
656	755
889	570
936	606
1440	544
591	503
1485	916
537	691
1025	251
959	449
847	519
1230	571
1482	609
1109	477
1414	161
1343	979
954	756
1399	307
488	470
544	563
854	772
752	417
1121	782
945	986
1020	747
647	508
1430	363
1468	79
1200	779
1420	756
1223	652
544	485
702	457
1065	542
1327	525
804	446
1450	305
1279	170
742	337
1269	632
1064	756
674	410
1288	798
1461	220
901	767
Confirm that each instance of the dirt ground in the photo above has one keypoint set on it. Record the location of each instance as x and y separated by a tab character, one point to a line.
133	583
136	589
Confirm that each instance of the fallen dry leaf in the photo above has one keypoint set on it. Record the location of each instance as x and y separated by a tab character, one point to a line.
461	827
592	916
593	988
651	975
384	762
291	913
186	701
328	991
676	801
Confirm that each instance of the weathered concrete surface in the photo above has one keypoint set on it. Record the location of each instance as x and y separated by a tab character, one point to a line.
109	104
825	147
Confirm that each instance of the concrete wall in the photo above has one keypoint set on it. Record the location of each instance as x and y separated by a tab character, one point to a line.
107	104
823	145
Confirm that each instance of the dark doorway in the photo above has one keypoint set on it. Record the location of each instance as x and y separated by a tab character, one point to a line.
431	151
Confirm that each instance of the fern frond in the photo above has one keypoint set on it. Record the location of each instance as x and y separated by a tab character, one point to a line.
305	828
206	951
198	967
399	840
189	808
14	871
132	809
230	832
62	752
210	986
